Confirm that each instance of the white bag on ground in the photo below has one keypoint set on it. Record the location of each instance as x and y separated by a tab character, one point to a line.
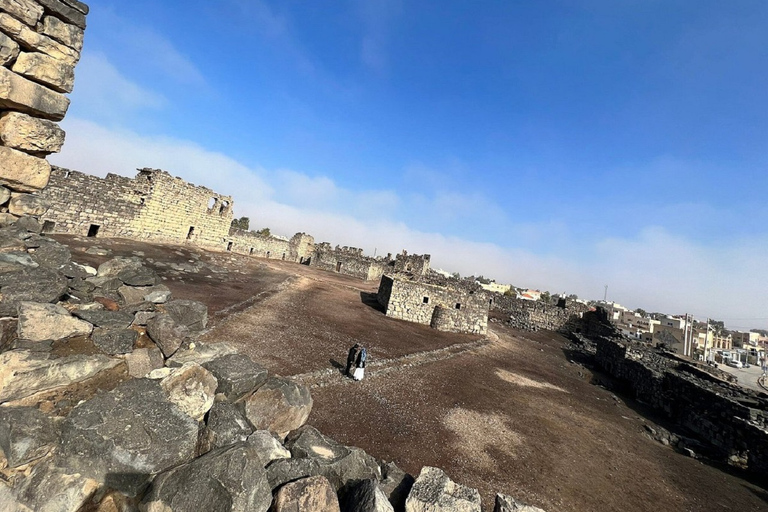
359	374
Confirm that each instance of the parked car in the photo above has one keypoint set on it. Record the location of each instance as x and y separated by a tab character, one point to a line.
734	363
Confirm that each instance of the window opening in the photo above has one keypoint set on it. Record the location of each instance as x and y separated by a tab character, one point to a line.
48	226
191	232
425	300
458	306
229	246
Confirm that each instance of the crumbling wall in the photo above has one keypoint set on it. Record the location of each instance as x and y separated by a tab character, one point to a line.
349	261
443	308
529	315
40	45
415	264
298	249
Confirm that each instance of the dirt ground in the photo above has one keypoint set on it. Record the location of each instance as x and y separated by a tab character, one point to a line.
508	413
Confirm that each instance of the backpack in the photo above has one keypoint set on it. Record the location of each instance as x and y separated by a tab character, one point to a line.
361	357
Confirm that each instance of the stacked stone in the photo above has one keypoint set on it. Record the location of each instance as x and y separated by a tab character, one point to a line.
40	44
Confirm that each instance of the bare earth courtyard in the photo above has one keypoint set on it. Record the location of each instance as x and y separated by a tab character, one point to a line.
505	413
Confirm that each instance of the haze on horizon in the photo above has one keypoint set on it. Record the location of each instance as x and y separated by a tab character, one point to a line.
560	145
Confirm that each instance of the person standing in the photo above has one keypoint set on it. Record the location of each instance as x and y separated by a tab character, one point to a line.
362	355
351	359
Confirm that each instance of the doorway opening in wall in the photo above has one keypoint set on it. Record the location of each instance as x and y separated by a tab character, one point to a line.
191	232
48	226
301	260
425	300
229	246
458	306
268	253
283	256
93	230
338	266
251	251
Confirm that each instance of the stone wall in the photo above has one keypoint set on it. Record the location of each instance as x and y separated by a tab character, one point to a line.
443	308
152	206
414	264
40	45
529	315
298	249
349	261
731	422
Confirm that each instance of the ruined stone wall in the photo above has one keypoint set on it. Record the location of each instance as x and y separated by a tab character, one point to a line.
415	264
443	308
729	420
529	315
80	201
298	249
176	211
349	261
40	44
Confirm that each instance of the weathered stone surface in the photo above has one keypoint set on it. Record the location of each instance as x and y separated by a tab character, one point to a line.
158	294
19	93
45	70
20	171
114	341
28	39
189	313
313	493
141	276
80	6
51	254
201	354
142	317
9	49
366	496
396	485
224	480
55	489
64	33
65	12
7	219
73	270
143	360
5	195
124	436
506	503
111	268
192	388
28	204
226	425
267	447
24	373
101	318
132	294
433	491
308	442
237	374
38	322
26	434
166	333
357	465
26	133
8	329
29	224
279	405
26	10
32	285
16	262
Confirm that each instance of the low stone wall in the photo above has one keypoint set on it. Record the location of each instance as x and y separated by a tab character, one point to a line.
298	249
40	45
349	261
442	308
528	315
730	421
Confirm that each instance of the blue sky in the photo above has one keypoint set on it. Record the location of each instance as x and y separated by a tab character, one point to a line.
561	145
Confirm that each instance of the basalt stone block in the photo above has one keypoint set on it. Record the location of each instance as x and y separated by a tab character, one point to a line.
51	254
313	493
8	332
267	446
31	40
224	480
396	485
64	33
111	268
366	496
226	425
131	295
32	285
202	353
108	319
53	489
279	405
125	436
143	360
237	374
65	12
28	204
27	133
355	466
167	334
46	70
192	388
40	322
158	294
141	276
114	341
27	11
20	171
29	224
26	434
308	442
19	93
9	49
5	195
80	6
189	313
24	373
434	491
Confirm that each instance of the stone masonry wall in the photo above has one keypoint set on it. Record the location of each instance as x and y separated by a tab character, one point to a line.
298	249
415	264
40	44
443	308
528	315
349	261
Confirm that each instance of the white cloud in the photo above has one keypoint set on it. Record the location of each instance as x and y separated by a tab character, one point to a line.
655	269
